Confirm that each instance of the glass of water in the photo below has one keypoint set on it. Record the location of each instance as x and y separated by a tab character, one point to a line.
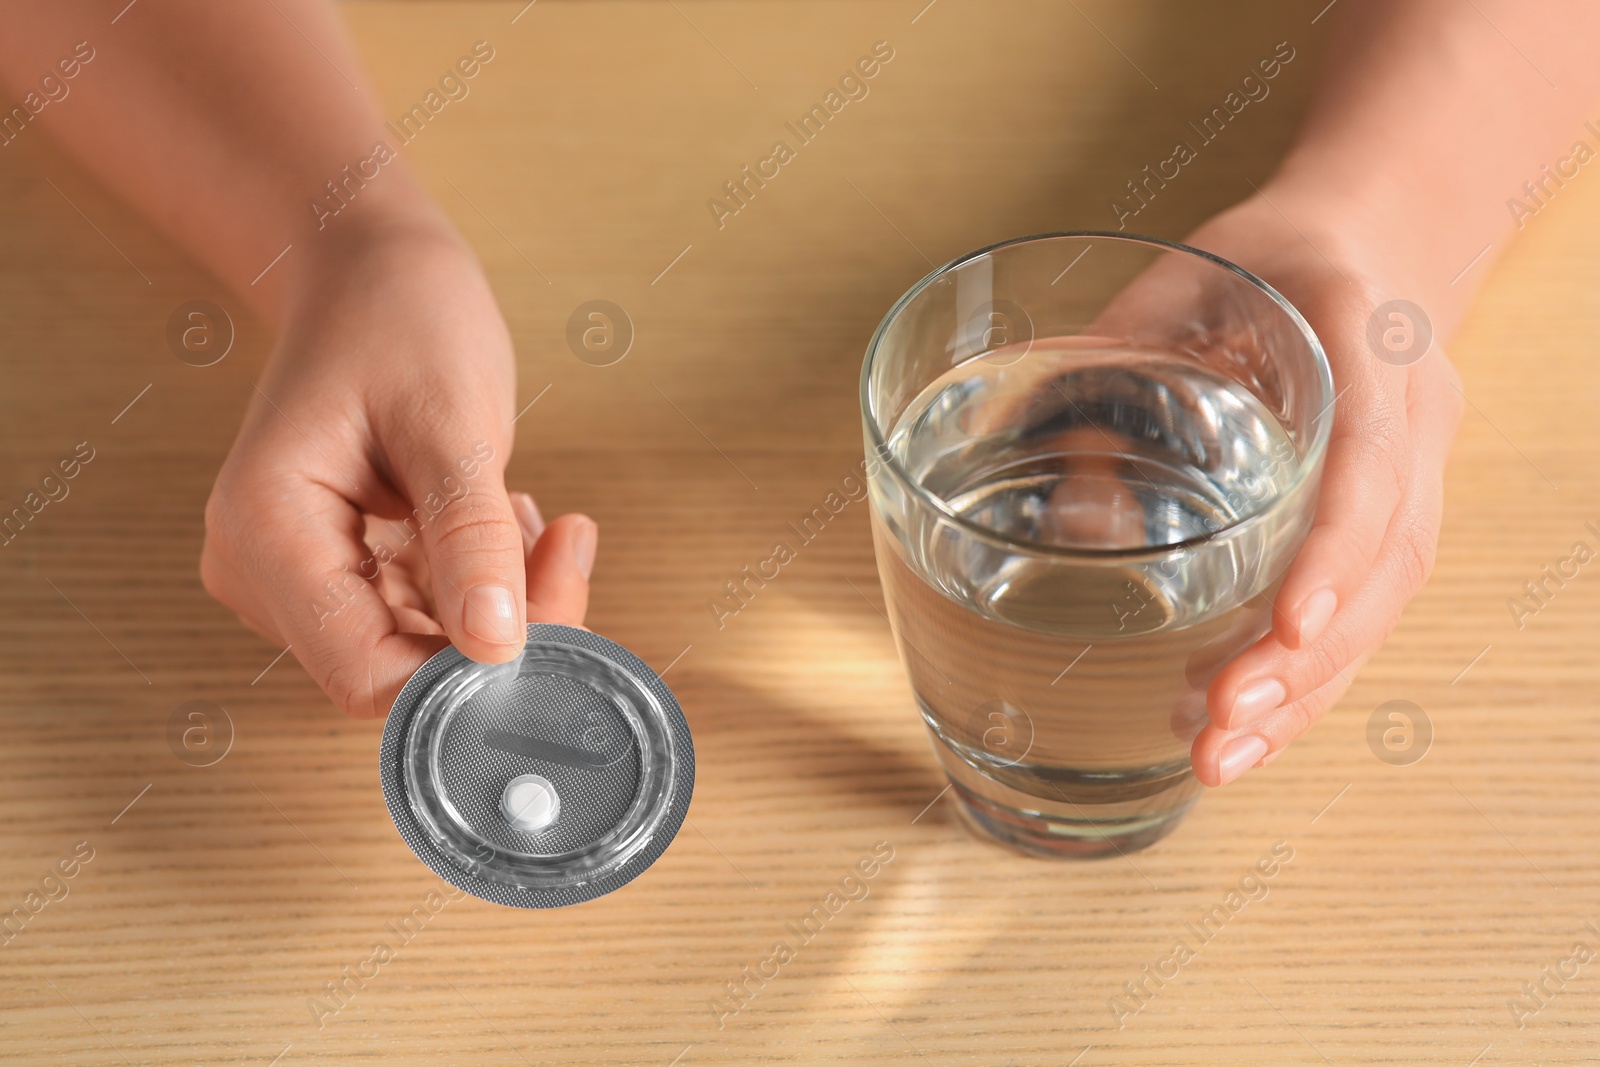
1092	457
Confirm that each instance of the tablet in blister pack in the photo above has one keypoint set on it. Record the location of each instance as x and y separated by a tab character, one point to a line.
543	782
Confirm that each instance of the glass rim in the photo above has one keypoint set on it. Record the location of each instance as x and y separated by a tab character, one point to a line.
1312	461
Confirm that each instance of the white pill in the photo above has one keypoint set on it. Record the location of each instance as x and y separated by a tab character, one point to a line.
529	802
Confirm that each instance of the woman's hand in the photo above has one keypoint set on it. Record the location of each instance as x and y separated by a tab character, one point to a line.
362	516
1377	523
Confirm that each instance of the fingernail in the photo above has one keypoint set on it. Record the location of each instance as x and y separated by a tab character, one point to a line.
1315	613
1238	755
528	517
491	614
584	540
1255	700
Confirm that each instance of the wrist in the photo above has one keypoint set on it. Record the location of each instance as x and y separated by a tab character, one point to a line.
1344	222
385	238
1407	239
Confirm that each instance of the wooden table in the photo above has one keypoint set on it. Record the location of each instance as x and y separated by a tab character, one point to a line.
220	901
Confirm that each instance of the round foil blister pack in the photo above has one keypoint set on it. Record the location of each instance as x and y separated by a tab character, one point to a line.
547	781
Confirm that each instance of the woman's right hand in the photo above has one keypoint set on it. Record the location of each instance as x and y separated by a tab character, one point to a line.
361	517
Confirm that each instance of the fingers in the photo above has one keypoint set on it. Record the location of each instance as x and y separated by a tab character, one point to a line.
1219	756
217	576
1366	471
412	621
403	578
353	615
1247	695
1270	674
528	517
473	544
295	556
558	566
560	558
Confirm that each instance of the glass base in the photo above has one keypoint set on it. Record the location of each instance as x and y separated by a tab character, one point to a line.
1054	837
1065	814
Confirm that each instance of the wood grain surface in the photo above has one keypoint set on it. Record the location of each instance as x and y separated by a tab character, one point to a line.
220	901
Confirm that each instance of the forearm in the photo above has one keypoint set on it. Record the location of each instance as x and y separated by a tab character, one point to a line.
223	124
1428	120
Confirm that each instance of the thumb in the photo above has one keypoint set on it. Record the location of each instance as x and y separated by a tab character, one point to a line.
473	545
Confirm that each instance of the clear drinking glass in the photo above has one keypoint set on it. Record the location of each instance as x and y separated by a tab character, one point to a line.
1092	456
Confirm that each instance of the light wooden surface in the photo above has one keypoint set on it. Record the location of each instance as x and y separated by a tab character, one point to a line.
226	897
